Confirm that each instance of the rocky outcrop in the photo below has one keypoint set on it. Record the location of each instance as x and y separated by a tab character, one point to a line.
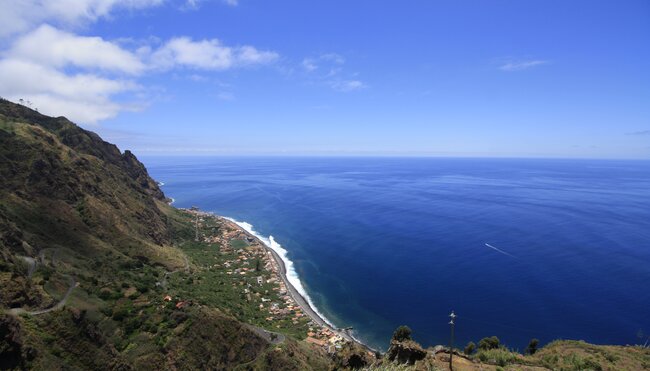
53	165
407	352
139	173
353	356
15	355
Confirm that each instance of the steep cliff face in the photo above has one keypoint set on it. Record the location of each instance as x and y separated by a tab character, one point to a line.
63	134
87	250
51	166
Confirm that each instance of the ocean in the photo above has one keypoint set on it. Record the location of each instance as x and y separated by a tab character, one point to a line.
518	248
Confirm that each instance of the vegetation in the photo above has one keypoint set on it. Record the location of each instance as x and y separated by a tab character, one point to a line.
84	227
532	346
209	284
489	343
469	348
402	333
99	227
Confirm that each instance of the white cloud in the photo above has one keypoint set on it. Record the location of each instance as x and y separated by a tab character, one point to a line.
208	55
333	57
82	97
521	65
225	96
84	77
347	85
48	46
27	77
248	55
309	64
327	69
194	4
62	73
329	60
22	15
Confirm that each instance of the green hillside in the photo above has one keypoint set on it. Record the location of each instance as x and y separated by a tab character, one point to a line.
78	215
97	271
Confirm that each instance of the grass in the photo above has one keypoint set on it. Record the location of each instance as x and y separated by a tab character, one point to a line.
578	355
238	244
500	356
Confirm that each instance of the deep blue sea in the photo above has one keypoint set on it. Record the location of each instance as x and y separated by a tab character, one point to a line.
518	248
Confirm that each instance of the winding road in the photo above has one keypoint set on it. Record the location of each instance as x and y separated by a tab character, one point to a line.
57	306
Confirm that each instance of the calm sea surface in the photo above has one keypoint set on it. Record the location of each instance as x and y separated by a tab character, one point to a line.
519	248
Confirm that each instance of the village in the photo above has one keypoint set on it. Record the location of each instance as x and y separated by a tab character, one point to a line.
257	274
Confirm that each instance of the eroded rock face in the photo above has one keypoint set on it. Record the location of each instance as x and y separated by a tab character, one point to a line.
13	353
353	356
407	351
51	166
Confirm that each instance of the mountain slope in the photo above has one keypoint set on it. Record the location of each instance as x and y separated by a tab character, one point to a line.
86	246
97	271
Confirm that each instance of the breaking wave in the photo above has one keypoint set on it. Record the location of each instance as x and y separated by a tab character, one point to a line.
292	275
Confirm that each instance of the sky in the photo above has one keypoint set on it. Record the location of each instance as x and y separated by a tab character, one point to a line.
534	78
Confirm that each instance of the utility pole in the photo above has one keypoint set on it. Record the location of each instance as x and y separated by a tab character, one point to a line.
196	228
196	222
451	341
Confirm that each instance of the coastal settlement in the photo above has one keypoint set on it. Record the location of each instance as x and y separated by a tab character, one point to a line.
260	275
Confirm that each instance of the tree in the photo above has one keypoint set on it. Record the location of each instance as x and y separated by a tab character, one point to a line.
489	343
470	348
402	333
258	265
532	346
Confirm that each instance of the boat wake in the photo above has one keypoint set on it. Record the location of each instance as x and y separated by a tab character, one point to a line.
499	250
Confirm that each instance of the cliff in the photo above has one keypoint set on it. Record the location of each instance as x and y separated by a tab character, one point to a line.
88	246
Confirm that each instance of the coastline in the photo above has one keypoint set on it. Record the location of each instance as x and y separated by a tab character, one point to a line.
300	300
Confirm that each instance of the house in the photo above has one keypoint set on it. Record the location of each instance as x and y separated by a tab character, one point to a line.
260	280
318	342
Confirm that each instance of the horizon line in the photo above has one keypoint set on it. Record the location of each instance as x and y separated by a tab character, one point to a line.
375	155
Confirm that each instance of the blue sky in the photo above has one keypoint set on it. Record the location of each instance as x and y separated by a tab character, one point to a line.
252	77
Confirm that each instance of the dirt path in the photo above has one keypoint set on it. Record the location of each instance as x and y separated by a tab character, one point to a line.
31	265
271	337
163	283
57	306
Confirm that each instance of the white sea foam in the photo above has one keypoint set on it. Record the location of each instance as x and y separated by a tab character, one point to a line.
499	250
172	200
160	184
292	275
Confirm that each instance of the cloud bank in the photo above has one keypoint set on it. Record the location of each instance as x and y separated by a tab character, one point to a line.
22	15
87	78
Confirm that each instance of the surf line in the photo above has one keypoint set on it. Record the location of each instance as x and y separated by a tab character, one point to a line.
499	250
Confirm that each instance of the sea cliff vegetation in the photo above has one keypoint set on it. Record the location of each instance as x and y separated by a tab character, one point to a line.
98	272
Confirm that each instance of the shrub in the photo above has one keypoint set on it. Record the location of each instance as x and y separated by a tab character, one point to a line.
119	313
489	343
105	294
402	333
470	348
532	346
500	357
